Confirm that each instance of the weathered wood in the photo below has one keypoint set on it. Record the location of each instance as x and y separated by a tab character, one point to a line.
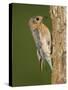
58	17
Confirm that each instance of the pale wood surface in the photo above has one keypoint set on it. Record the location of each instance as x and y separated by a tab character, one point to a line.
58	17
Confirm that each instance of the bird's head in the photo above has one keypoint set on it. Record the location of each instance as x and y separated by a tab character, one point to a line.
34	21
37	19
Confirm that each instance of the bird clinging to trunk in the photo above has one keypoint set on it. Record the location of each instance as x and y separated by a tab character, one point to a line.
42	38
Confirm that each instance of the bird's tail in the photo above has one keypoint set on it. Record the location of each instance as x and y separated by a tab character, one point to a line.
49	61
41	64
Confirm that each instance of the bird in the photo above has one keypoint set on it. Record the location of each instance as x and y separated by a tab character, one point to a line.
42	39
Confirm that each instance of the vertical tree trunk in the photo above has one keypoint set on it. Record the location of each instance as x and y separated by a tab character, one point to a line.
58	17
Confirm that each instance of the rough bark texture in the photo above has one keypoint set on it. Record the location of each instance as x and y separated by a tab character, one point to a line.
58	17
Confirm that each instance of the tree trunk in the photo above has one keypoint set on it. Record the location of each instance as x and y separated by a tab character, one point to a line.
58	18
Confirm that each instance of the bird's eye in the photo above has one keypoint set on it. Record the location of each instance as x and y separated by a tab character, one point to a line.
37	19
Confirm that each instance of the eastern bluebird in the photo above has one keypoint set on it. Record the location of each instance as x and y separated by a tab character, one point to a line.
42	38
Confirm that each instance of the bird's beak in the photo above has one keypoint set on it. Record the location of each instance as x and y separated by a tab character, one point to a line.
46	17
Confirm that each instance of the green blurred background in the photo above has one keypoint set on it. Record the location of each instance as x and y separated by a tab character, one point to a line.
25	64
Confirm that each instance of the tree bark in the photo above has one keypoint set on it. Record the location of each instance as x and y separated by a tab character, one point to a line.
58	18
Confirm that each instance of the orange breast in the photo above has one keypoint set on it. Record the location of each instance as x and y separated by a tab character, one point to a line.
43	29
